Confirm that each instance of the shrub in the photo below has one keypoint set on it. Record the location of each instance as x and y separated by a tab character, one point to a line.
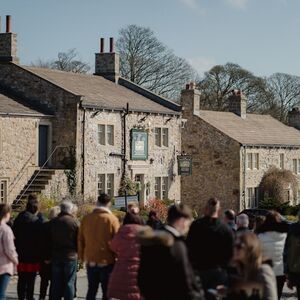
119	214
159	206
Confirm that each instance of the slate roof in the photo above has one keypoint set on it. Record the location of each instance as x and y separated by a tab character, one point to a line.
9	105
253	130
102	93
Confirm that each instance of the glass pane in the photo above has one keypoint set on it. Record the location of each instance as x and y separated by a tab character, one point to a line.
110	184
281	161
249	160
101	184
298	166
110	134
101	134
256	161
3	187
166	137
158	136
295	166
157	187
165	188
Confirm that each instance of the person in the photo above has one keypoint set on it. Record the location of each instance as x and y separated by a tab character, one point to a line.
291	257
165	271
94	250
242	223
27	228
45	269
63	231
8	254
153	220
210	246
250	269
123	280
273	245
259	221
229	219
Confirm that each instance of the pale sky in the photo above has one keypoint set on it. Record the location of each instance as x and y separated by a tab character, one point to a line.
262	36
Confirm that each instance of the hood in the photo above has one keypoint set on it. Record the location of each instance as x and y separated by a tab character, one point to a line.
129	231
100	209
150	237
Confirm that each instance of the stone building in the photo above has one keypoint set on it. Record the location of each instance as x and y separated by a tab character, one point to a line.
231	151
59	127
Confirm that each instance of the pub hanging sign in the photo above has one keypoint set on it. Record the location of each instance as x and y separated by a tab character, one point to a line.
184	165
139	144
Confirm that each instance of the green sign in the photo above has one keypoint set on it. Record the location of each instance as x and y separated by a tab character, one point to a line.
139	144
184	165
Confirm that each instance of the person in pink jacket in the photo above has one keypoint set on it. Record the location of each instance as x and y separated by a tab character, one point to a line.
8	254
123	280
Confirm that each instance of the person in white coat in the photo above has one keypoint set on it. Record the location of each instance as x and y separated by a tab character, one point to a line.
272	235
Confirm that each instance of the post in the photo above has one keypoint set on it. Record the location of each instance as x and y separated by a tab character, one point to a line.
124	149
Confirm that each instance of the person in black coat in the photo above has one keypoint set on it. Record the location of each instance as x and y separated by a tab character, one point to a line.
210	246
27	229
165	271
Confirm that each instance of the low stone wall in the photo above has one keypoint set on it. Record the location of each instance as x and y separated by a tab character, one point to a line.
57	188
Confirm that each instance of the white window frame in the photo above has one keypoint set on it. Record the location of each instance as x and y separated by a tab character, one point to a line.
161	137
253	161
161	187
107	183
103	136
296	166
252	197
281	161
3	190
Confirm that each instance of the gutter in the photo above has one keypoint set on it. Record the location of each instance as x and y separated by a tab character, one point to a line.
25	115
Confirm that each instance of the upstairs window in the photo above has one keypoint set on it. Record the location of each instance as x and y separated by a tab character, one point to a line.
105	184
106	134
281	161
161	187
253	161
161	137
3	191
296	166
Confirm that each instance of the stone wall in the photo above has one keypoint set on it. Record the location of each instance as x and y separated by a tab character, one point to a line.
160	162
18	152
268	158
58	186
50	98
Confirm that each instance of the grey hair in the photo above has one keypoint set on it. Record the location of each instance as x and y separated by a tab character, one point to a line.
242	220
66	207
54	212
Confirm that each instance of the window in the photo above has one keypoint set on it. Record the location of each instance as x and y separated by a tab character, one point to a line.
161	137
253	161
106	134
161	187
281	161
106	184
296	166
252	197
3	191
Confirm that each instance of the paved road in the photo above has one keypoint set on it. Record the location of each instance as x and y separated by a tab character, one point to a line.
82	288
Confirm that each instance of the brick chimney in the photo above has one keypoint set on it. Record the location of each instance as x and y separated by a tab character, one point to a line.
190	100
8	44
237	103
294	117
107	64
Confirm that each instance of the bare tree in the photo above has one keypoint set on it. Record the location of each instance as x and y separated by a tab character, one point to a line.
285	93
66	61
148	62
220	80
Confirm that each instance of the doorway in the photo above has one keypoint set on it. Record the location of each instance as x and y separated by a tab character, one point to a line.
140	180
43	144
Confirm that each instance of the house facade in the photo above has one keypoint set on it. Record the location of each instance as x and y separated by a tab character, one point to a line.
231	151
84	132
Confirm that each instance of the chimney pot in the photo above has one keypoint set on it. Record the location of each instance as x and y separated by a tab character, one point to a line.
101	45
111	45
8	23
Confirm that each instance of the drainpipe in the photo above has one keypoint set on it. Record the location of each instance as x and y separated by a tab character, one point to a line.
126	112
83	150
244	179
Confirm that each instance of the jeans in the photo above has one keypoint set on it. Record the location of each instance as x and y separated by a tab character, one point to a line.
45	274
63	279
4	280
25	285
97	275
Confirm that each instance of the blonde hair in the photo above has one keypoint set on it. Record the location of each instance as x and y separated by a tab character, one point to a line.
253	255
54	212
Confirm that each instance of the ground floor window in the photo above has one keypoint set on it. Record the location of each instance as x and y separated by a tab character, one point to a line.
252	197
3	191
161	187
106	184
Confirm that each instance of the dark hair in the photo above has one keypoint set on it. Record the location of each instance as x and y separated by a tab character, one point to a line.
32	203
131	218
176	212
230	215
271	222
104	199
4	210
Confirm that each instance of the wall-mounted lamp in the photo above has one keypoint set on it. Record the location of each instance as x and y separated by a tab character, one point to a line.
168	120
143	119
151	160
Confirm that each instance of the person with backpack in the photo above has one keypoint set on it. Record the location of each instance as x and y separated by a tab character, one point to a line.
291	256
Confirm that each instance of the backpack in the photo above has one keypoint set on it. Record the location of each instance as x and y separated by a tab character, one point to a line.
293	254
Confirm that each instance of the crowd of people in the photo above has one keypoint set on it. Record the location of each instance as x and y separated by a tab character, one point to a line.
213	257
